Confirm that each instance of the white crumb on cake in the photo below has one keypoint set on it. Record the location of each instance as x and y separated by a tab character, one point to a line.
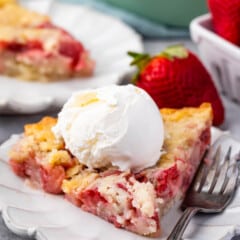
142	194
144	198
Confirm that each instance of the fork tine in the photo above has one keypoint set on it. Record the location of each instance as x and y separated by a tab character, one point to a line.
215	171
200	177
214	163
228	155
231	181
220	172
200	172
238	156
223	179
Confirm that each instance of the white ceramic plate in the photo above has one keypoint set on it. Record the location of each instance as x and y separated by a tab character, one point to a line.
108	41
30	212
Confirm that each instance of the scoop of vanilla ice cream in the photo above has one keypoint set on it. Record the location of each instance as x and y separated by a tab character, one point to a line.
113	125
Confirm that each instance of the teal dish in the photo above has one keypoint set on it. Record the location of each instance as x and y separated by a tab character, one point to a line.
169	12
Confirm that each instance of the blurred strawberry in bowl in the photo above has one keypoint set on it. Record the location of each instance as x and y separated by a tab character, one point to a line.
176	78
226	19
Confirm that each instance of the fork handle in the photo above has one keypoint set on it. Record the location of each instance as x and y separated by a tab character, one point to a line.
182	223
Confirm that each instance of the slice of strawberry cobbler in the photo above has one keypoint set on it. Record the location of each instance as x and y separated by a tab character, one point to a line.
135	201
115	155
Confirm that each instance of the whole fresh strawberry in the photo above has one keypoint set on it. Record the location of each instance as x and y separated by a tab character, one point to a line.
176	78
226	19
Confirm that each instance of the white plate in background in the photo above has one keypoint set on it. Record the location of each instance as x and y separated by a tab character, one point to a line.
108	40
30	212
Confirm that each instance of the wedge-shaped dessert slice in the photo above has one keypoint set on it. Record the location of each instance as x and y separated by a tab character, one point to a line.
32	48
133	201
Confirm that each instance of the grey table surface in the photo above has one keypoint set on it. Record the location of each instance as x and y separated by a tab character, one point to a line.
10	124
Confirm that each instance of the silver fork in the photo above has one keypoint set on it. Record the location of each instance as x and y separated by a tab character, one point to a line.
212	189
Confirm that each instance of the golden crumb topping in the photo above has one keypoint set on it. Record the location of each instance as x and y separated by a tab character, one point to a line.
42	133
15	15
71	172
201	113
5	2
182	128
79	182
39	141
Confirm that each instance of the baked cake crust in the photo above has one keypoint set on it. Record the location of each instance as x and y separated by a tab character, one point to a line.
133	201
39	157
